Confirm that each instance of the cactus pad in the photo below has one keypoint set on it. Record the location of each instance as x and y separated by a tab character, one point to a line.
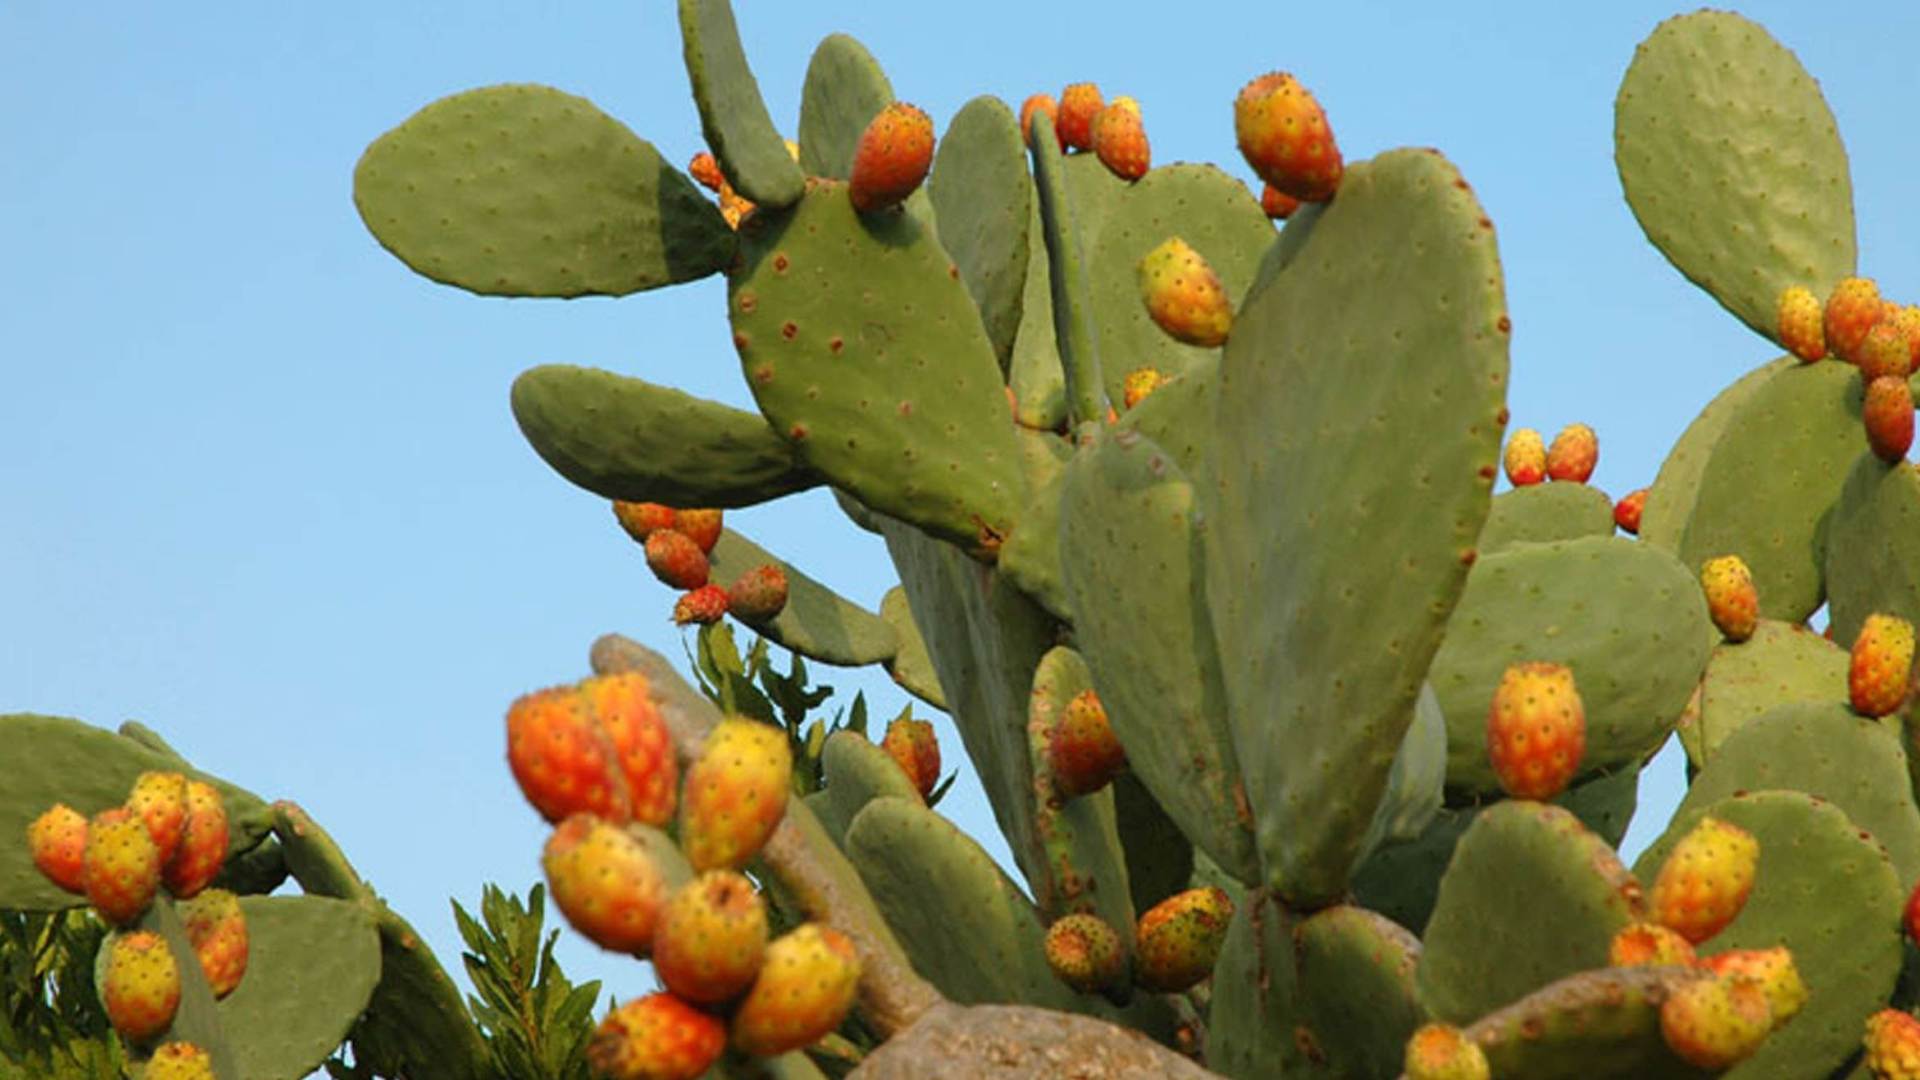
844	90
1086	866
1356	995
982	200
1677	486
732	115
857	772
1781	663
1596	1025
817	622
1540	513
312	964
1873	564
1251	1024
911	667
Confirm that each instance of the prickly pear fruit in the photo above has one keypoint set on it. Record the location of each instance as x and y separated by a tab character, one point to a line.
1907	321
712	938
605	882
736	794
1732	600
563	760
1852	309
1705	881
759	594
1887	414
702	526
58	841
1626	512
804	990
1085	953
1139	383
704	605
1715	1023
1073	122
1573	454
217	930
657	1037
1283	134
1883	351
622	705
1536	730
1042	103
121	866
912	745
203	844
706	169
642	519
1642	943
1893	1045
1120	139
160	800
178	1061
892	158
1881	663
1176	942
1526	458
1801	324
1773	969
139	985
676	560
1443	1052
1183	294
1083	751
1277	204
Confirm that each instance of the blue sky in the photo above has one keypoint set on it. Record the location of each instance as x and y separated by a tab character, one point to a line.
262	489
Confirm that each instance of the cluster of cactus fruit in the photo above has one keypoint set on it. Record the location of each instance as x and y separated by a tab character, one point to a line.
1308	770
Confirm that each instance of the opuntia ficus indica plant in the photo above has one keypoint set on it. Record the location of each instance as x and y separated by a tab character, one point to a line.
1313	753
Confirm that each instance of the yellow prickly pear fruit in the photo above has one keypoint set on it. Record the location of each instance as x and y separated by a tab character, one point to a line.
736	794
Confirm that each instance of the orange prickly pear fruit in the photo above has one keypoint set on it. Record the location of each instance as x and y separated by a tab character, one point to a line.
1893	1045
712	938
1183	294
1139	383
1626	512
1526	458
1715	1023
1085	953
1852	309
160	800
1536	730
217	930
1801	324
1907	321
1042	103
1887	414
203	843
622	705
657	1037
1278	204
1641	943
736	794
1178	939
1705	881
178	1061
706	169
703	605
642	519
1773	969
605	882
1073	121
562	758
1083	751
1283	134
759	594
676	560
1120	139
1443	1052
804	990
58	841
1732	600
703	527
1574	453
1883	351
892	158
912	745
121	866
1880	665
139	985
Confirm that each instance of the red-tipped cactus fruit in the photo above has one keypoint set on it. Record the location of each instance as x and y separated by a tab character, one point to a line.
804	990
736	794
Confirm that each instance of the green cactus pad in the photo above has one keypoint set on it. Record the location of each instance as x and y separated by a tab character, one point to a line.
1356	989
1541	513
732	115
256	872
1069	247
1211	211
845	89
911	667
1133	565
982	200
1625	616
524	190
1417	782
1873	547
1715	113
1530	896
817	622
1179	416
1031	557
1036	377
1824	890
1596	1025
1252	1019
1086	866
624	438
1781	663
892	392
1160	858
198	1019
52	759
1822	749
1312	386
857	772
312	963
1676	488
1770	482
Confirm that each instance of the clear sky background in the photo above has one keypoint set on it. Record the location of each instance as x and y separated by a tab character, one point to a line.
259	484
